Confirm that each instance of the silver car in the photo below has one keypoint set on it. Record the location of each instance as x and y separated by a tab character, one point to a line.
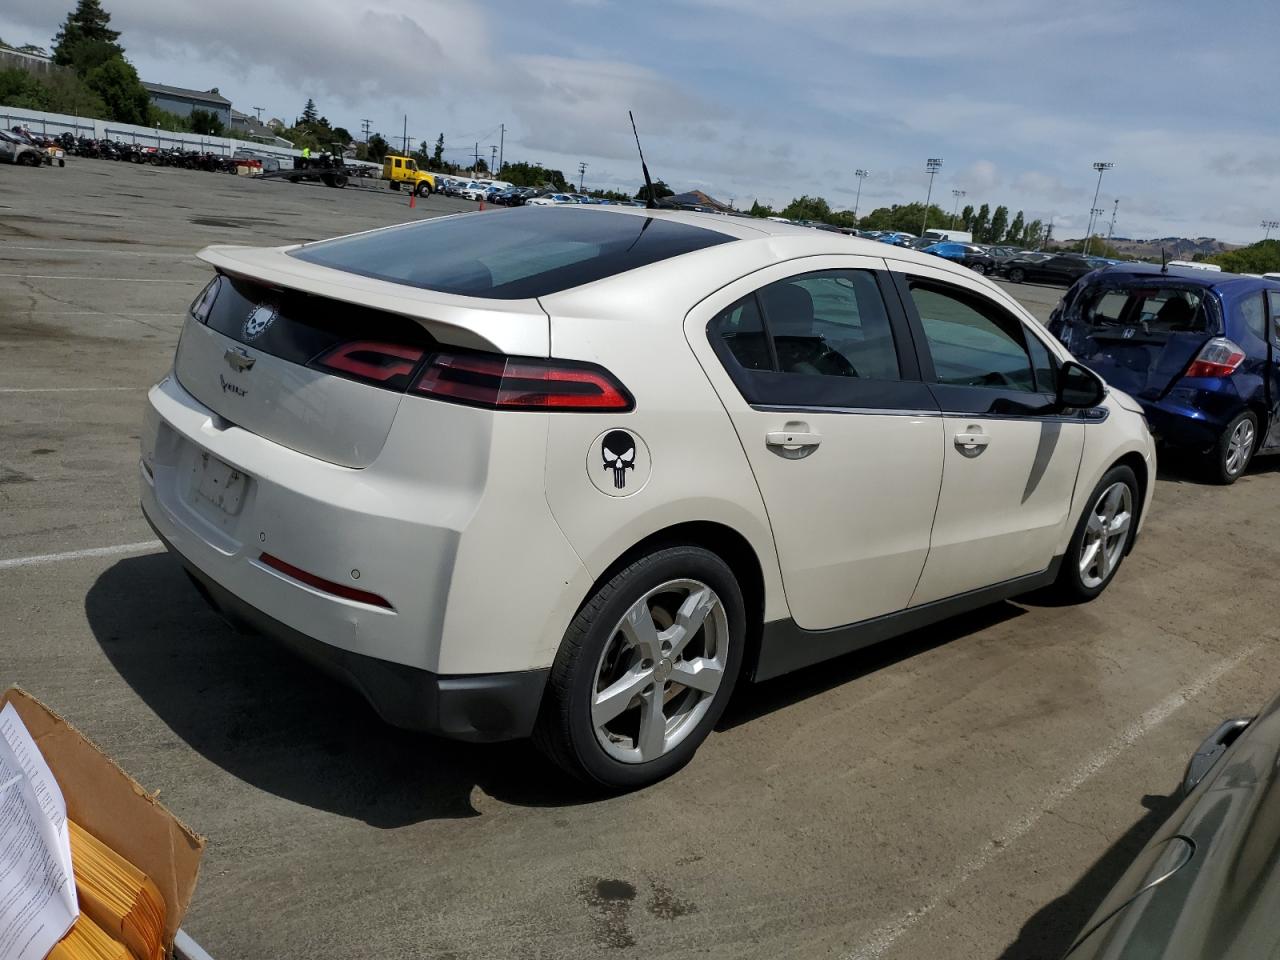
1207	885
13	150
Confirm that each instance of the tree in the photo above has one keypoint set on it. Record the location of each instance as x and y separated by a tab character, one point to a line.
660	190
116	82
1261	257
309	114
343	135
206	123
1015	230
437	155
88	22
966	217
524	174
377	148
758	209
1033	237
980	222
807	208
999	224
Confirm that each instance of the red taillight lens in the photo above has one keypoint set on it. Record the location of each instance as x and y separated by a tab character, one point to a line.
203	303
320	583
507	383
1219	357
386	364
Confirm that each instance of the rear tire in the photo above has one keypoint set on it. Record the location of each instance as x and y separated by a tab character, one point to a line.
1017	275
980	269
1234	450
677	612
1101	538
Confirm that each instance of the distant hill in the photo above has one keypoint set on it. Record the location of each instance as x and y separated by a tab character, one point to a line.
1175	248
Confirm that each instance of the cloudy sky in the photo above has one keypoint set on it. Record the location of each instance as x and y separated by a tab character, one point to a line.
768	99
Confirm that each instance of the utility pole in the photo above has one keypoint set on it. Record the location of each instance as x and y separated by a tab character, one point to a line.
476	169
1048	235
258	111
367	124
933	165
582	174
861	175
493	156
1112	229
502	141
957	194
1269	225
1101	167
405	151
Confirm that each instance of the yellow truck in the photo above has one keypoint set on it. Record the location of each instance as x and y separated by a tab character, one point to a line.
404	170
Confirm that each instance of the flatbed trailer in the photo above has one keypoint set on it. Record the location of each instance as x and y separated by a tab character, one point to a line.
328	169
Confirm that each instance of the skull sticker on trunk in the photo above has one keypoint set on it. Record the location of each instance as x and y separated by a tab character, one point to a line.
618	463
619	452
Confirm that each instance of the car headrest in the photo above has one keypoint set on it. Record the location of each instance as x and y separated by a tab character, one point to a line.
789	309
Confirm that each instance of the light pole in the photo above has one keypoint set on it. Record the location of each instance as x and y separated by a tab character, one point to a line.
1093	218
933	165
957	194
1269	225
1102	167
861	175
1112	229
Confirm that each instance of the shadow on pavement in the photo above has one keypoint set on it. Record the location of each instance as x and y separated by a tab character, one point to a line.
275	722
1053	928
752	700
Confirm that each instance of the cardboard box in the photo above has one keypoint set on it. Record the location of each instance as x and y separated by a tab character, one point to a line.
115	808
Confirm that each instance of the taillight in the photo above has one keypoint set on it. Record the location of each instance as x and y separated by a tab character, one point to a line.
203	303
1218	358
384	364
510	383
326	586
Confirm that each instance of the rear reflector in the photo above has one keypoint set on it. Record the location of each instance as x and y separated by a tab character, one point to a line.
326	586
1219	358
507	383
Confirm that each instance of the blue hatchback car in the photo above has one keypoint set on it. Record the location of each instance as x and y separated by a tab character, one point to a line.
1200	350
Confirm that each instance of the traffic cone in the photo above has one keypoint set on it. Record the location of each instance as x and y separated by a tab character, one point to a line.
482	203
413	199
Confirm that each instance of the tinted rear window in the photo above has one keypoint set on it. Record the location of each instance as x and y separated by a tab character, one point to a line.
511	255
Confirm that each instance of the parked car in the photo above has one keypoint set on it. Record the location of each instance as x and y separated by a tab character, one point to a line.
474	191
16	151
1206	886
965	254
549	199
575	472
1196	349
513	196
1065	268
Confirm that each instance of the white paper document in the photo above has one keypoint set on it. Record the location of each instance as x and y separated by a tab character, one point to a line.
37	887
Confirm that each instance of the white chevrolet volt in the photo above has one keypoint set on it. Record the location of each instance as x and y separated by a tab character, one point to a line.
573	472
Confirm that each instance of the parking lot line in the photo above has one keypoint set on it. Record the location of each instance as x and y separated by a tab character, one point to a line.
44	276
97	252
884	938
44	559
66	389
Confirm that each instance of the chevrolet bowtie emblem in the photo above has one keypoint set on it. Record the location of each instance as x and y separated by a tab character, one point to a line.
239	360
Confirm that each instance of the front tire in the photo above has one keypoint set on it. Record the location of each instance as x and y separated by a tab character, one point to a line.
645	670
980	269
1017	275
1234	449
424	189
1101	538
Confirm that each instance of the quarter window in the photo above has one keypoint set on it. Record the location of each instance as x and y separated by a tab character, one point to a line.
973	342
1253	312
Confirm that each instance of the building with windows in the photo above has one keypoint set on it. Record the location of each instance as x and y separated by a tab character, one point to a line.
181	101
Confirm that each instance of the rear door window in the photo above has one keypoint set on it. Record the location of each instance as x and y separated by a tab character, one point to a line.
1151	310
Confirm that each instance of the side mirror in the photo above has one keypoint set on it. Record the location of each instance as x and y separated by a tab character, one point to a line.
1079	388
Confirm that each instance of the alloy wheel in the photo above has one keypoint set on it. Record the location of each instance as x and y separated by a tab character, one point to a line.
659	671
1240	446
1105	534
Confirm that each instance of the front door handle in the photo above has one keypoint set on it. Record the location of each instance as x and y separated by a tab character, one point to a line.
795	442
972	443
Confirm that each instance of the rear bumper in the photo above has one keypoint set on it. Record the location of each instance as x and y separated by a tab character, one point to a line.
476	707
1187	421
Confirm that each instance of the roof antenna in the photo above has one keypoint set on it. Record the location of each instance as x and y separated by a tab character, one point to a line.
1164	261
652	204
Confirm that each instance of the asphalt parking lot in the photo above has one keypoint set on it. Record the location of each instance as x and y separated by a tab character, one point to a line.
968	791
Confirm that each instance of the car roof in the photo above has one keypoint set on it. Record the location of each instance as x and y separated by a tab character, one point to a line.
1234	284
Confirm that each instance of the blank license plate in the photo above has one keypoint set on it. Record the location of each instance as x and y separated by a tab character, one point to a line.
219	484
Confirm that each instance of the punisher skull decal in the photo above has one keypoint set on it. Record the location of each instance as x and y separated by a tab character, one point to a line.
618	463
619	452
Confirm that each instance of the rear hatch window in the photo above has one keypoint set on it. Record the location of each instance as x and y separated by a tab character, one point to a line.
1140	334
319	376
514	254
